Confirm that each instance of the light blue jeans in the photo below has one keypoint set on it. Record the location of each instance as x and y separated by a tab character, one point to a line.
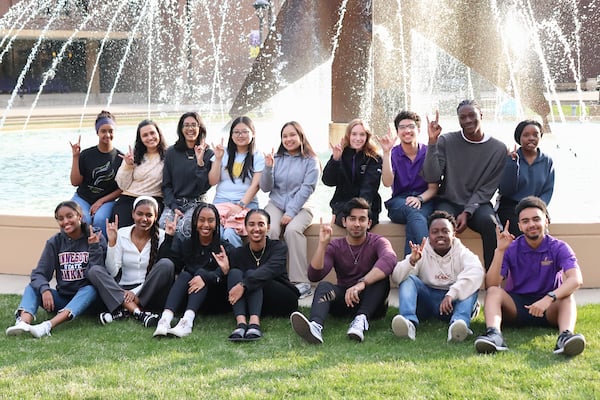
76	305
418	301
414	219
98	220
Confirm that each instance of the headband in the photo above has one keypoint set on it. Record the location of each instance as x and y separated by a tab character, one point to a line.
146	198
104	121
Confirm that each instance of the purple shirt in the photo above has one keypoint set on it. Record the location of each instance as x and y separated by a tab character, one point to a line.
407	180
375	252
538	271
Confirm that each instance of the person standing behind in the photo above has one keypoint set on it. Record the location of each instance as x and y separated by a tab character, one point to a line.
136	252
468	164
354	169
185	173
93	171
257	281
141	171
202	283
527	172
362	261
236	172
540	275
68	256
291	177
440	278
411	196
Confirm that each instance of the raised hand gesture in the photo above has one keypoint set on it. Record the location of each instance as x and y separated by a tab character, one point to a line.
200	149
434	129
503	238
127	157
222	259
111	231
94	236
270	158
76	147
416	251
387	141
170	226
219	150
336	150
326	230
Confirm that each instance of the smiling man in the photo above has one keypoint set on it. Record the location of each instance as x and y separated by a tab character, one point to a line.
362	262
534	294
439	278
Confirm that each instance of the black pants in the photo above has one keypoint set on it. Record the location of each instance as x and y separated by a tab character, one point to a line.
506	211
273	298
211	299
482	222
330	298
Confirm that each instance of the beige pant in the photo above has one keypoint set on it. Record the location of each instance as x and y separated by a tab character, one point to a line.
293	235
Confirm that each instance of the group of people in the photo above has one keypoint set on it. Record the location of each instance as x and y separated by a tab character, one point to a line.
164	250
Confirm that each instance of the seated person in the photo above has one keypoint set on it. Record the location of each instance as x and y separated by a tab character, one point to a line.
533	267
362	261
440	278
411	196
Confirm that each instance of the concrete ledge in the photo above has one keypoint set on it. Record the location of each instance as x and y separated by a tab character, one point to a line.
22	239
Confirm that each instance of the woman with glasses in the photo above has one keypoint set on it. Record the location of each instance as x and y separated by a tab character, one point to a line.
141	171
410	203
185	173
354	169
236	171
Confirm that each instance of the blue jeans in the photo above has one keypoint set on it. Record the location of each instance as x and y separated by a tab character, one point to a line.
98	220
76	305
415	219
419	301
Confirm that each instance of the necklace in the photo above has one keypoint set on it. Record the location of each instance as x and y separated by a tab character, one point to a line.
257	258
357	256
190	156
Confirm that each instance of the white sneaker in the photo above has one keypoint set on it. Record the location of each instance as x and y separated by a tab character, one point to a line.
458	331
304	288
403	327
183	328
307	330
357	327
39	330
18	328
162	328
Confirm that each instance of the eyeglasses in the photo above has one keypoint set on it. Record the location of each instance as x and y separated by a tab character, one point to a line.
193	126
409	126
241	133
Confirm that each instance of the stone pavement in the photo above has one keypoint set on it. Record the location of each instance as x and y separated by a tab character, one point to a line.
14	284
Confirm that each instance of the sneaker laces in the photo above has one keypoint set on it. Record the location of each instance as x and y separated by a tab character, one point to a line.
360	322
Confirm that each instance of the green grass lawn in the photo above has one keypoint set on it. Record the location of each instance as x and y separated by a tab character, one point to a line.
83	359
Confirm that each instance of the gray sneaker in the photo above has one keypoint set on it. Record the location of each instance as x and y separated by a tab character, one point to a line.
307	330
358	327
304	288
491	342
569	344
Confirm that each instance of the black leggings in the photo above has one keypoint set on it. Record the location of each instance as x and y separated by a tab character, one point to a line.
273	298
211	299
330	297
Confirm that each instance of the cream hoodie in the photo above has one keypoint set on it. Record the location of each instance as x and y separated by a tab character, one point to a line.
459	271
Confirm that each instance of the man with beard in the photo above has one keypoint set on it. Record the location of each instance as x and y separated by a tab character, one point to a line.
362	262
468	164
439	278
534	292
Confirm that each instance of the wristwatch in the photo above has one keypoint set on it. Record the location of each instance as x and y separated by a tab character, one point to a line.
552	295
241	204
420	198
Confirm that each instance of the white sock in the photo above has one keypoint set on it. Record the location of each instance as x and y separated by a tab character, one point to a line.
167	315
189	315
136	311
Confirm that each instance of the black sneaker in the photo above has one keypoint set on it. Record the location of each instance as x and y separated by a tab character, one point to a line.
107	318
569	344
147	318
491	342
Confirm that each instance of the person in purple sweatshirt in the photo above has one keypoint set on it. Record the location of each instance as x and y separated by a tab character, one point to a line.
67	256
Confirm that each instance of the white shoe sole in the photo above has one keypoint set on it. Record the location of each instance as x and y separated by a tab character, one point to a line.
458	331
301	326
401	327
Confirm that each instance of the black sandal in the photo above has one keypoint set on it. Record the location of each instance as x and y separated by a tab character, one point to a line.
238	333
253	332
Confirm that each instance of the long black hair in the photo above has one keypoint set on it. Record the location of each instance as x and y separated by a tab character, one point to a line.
215	244
248	167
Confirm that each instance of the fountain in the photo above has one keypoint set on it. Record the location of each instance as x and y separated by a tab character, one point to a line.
320	62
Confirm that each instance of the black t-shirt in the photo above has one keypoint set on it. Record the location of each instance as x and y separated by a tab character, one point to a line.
98	170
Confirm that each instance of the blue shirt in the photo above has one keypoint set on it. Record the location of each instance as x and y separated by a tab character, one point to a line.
536	272
520	179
